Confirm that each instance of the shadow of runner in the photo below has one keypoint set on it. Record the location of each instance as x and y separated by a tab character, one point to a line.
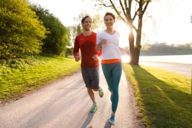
107	125
88	120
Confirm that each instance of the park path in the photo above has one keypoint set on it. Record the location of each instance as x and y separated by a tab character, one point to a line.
185	69
65	104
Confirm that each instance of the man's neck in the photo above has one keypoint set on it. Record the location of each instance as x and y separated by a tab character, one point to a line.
87	33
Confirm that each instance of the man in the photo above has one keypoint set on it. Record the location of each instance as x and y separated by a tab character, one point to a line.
86	43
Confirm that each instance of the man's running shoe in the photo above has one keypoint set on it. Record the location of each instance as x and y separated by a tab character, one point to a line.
101	93
93	108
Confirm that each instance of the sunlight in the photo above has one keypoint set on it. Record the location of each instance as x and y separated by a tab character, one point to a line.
125	58
168	25
123	29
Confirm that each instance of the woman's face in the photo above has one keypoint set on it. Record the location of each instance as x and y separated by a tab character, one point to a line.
109	21
87	24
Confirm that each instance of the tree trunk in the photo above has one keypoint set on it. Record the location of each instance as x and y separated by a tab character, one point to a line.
138	41
131	45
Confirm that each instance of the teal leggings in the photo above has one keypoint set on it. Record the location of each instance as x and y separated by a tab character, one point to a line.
112	73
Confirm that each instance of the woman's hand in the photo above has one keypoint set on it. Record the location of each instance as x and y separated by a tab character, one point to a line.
103	42
95	57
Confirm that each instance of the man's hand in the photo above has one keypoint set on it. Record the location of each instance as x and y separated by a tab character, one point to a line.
77	57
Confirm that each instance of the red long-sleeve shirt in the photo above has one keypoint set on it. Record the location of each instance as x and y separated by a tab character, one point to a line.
87	46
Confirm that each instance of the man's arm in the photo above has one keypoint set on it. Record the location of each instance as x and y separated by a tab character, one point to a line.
76	50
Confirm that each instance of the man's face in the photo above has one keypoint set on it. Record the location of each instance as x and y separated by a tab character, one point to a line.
87	24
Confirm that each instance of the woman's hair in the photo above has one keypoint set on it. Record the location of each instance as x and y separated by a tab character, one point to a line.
110	14
83	19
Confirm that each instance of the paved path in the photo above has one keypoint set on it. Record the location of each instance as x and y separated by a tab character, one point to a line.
185	69
65	104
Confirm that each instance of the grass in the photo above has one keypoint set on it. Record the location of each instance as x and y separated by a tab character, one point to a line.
164	97
16	81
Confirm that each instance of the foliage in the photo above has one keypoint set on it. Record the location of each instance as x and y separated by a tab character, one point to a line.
58	37
39	70
96	20
21	32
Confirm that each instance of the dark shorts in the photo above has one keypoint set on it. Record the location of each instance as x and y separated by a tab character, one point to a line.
90	77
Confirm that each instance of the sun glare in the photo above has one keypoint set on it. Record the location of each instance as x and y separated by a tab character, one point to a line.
123	29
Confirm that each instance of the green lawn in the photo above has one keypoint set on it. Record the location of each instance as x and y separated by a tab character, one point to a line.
164	97
14	82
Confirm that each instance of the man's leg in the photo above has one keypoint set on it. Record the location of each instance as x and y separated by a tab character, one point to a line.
94	75
94	105
91	94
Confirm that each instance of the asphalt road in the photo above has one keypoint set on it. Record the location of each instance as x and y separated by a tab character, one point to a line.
65	104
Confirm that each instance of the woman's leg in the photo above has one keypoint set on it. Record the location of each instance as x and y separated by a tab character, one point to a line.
112	73
116	75
107	71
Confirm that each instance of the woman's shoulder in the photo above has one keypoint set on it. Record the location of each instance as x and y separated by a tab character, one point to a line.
116	31
101	32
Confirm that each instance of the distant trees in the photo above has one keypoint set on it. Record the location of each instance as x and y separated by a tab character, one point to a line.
21	32
165	49
58	36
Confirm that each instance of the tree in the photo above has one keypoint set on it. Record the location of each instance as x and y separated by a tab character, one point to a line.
126	12
21	32
58	36
96	21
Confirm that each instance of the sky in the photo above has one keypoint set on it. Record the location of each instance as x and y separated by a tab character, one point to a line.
165	21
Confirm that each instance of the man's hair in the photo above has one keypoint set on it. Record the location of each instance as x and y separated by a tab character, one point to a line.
83	19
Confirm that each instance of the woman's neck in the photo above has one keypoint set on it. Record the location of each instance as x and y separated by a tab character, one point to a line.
110	30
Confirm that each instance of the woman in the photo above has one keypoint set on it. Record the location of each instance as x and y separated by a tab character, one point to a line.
108	41
86	43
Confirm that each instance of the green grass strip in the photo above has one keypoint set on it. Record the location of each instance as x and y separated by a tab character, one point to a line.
164	97
14	82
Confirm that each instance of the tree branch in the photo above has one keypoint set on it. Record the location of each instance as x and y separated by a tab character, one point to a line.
122	7
104	4
135	14
113	5
128	14
130	2
145	7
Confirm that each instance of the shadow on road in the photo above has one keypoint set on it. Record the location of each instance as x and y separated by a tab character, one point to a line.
88	120
107	125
